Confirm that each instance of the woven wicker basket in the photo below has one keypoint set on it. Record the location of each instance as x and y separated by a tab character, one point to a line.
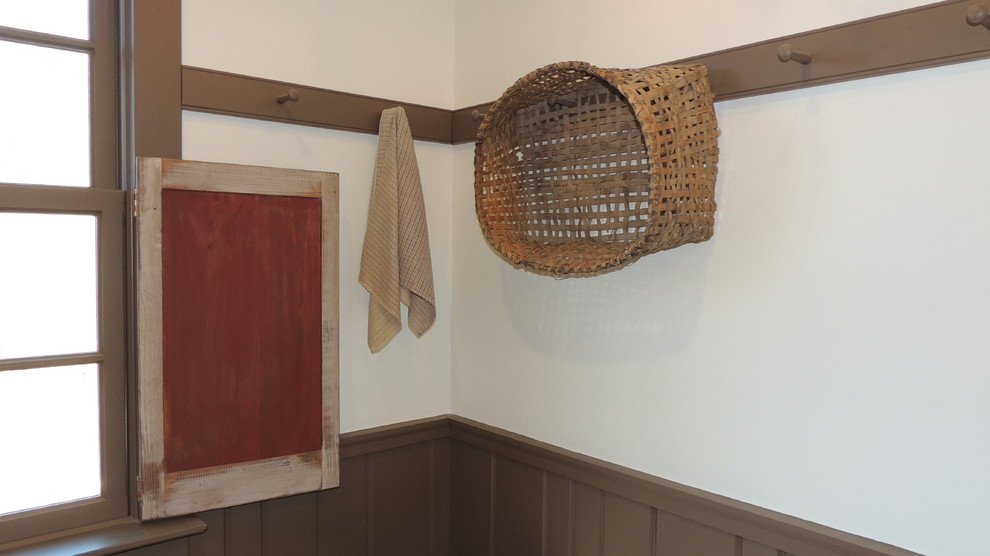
580	170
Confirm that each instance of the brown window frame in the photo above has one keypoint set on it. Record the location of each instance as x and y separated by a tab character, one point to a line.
106	199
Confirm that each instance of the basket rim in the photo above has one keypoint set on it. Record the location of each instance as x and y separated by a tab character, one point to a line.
605	74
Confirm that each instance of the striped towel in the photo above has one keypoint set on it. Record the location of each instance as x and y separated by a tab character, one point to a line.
395	262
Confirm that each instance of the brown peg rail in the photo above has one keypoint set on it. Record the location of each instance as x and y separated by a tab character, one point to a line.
927	36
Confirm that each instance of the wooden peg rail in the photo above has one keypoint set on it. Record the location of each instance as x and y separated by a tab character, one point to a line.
264	99
927	36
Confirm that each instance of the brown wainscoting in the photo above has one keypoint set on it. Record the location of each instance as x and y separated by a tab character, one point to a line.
393	499
451	486
516	496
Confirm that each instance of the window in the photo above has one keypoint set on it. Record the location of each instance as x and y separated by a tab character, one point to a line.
62	271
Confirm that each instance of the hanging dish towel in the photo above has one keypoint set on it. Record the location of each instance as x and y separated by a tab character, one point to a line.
395	262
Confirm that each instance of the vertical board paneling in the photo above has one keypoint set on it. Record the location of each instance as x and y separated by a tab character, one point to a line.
344	511
440	491
750	548
628	528
443	496
289	526
517	524
560	515
209	543
399	499
471	504
588	516
242	530
677	536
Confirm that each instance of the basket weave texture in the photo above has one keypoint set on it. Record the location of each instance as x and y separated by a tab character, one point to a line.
628	170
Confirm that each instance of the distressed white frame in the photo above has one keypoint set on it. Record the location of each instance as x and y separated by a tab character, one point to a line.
164	494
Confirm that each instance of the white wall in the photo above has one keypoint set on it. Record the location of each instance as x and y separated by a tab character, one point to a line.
825	354
411	59
499	41
820	356
384	48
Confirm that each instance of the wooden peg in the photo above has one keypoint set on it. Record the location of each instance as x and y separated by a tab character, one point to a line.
291	96
977	15
477	116
786	53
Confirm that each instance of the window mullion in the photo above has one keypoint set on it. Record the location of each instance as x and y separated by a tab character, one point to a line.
50	361
44	39
104	120
43	198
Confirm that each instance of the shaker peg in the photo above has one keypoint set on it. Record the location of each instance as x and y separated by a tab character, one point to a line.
977	15
477	115
291	96
786	53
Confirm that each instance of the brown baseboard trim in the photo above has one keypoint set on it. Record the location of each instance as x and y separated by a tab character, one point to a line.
746	521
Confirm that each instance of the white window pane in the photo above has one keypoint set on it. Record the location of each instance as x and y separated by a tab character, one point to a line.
50	437
44	115
68	18
48	284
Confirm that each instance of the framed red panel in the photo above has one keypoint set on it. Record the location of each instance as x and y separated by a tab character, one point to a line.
237	334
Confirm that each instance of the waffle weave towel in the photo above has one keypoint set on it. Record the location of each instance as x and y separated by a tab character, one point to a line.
395	262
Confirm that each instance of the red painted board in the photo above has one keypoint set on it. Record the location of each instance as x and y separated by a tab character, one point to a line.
241	312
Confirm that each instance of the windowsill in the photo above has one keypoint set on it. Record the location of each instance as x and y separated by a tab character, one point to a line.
111	537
